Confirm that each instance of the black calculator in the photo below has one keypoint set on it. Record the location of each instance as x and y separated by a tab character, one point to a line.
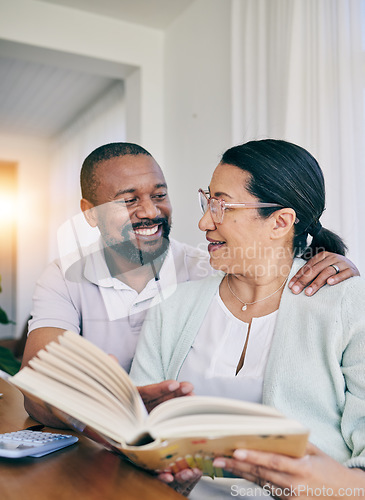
28	443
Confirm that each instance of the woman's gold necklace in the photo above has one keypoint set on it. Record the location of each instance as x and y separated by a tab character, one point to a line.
245	304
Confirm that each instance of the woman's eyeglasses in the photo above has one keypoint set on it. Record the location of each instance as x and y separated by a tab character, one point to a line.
217	207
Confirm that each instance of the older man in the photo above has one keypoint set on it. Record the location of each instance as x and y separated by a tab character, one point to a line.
105	294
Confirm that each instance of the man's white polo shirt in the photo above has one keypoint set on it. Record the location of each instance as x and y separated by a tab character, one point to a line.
86	299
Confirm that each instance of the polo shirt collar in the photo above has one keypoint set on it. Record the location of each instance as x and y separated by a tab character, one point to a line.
97	272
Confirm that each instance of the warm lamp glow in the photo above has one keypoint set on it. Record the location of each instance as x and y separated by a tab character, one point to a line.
7	208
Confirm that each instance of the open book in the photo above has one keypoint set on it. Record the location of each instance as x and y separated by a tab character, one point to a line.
89	391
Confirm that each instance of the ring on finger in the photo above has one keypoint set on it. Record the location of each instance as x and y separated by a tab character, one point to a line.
336	268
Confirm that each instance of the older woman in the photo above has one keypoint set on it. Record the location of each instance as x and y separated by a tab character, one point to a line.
242	334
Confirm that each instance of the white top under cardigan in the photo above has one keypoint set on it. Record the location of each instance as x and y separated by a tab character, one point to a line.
213	358
211	366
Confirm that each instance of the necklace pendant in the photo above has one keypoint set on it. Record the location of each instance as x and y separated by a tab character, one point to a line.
244	307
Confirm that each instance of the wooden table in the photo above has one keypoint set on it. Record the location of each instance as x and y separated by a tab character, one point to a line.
83	471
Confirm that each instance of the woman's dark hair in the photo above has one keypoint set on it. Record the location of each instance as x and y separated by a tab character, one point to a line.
284	173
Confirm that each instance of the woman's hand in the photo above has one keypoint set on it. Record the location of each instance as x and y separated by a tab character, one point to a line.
315	476
183	481
154	394
318	271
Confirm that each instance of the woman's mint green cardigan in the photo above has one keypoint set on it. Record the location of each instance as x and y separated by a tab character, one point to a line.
316	367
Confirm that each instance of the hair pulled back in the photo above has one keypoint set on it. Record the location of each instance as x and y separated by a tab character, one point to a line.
287	174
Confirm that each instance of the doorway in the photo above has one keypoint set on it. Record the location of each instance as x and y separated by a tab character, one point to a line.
8	226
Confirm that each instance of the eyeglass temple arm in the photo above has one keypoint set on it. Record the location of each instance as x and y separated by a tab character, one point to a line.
258	205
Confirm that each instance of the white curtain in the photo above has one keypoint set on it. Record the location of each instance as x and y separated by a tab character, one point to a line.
298	74
101	123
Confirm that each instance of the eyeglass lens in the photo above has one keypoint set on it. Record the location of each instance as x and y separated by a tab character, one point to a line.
214	206
216	210
203	202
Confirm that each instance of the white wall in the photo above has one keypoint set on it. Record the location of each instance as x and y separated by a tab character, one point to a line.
198	107
74	32
32	157
101	123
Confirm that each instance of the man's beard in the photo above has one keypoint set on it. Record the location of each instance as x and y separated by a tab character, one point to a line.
131	252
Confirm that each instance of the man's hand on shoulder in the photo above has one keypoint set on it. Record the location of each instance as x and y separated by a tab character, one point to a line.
324	268
155	394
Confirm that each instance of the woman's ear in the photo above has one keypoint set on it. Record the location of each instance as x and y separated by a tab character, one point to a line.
283	221
89	213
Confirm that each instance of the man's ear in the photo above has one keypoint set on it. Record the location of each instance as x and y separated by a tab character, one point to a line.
89	213
283	221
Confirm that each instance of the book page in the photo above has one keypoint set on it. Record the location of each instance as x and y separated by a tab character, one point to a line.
79	406
78	351
71	359
196	405
100	359
224	425
57	369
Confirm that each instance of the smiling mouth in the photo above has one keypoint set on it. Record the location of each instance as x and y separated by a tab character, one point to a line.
146	231
214	245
